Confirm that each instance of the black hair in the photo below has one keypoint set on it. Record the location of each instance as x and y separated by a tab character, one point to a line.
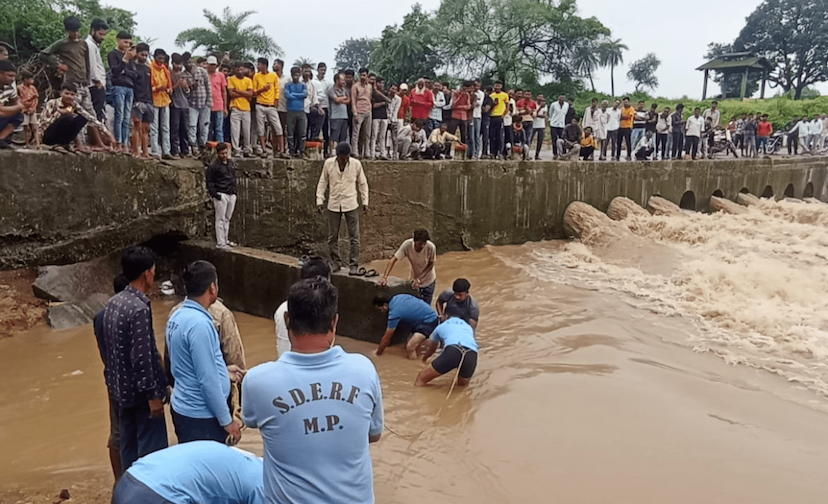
186	55
262	61
25	74
680	106
71	23
279	61
177	59
159	52
383	298
142	47
306	65
372	74
380	80
69	86
237	64
200	60
312	305
135	261
714	101
421	234
654	105
315	267
99	24
119	283
348	71
625	98
321	64
461	285
198	276
221	147
499	82
343	149
363	70
122	35
295	70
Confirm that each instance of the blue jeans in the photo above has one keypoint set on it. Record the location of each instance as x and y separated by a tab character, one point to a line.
217	126
199	123
123	114
637	133
475	136
427	292
139	434
162	116
433	124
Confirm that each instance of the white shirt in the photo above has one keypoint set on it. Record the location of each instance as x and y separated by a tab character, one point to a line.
540	118
510	111
282	340
97	72
600	131
664	124
282	105
394	109
591	118
614	121
557	114
477	111
342	185
804	128
694	126
716	115
816	127
312	99
644	143
322	87
436	111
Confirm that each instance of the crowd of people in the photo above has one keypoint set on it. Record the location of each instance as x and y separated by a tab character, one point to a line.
152	104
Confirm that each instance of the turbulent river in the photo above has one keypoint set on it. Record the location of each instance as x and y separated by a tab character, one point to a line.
680	358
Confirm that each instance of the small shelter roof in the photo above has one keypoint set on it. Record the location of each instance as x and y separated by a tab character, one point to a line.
736	61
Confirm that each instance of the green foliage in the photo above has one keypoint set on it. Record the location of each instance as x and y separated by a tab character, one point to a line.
355	53
793	35
611	52
301	60
227	35
642	72
406	53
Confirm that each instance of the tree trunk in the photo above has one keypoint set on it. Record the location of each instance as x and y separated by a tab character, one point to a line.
612	80
589	73
798	92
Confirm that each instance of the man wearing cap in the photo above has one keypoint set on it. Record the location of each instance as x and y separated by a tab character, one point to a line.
218	108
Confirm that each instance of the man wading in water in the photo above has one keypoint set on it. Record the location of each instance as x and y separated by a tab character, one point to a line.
408	314
460	351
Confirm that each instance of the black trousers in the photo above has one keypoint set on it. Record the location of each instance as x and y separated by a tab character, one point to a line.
326	130
495	135
434	151
484	130
678	144
692	146
661	142
556	133
508	139
463	126
626	135
643	154
179	130
98	96
793	143
64	130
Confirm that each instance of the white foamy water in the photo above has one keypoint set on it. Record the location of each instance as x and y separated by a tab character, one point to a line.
756	283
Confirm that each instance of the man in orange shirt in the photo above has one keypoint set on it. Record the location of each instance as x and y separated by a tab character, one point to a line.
763	131
161	91
625	131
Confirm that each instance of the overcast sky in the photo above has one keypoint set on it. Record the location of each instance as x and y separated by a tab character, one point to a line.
677	32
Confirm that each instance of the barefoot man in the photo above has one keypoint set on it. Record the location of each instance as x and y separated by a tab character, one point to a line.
406	313
460	351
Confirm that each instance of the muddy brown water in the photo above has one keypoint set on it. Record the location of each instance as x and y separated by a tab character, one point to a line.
578	397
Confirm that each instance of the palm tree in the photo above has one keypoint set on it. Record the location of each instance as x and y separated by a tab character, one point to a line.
586	61
611	52
227	35
304	61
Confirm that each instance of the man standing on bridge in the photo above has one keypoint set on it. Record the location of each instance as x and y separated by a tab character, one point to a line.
317	407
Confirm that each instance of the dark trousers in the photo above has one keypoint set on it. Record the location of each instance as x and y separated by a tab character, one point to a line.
556	134
484	131
326	131
98	96
623	134
334	224
463	126
692	146
315	122
434	151
762	143
678	143
495	135
661	142
612	139
793	143
179	130
539	133
198	429
739	141
140	434
131	491
297	125
508	139
586	152
643	154
427	293
64	130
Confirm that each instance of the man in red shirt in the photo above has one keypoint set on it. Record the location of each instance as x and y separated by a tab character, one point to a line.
527	108
405	106
422	100
461	103
763	131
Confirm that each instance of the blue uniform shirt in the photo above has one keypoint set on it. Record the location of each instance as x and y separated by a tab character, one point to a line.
296	94
315	413
202	384
409	309
203	472
455	331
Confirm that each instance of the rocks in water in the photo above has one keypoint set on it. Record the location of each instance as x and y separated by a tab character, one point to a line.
726	206
73	314
64	494
622	207
661	206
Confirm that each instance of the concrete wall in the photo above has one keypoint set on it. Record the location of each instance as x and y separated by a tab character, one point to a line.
257	282
70	208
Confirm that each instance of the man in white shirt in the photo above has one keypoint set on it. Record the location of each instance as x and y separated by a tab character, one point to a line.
97	71
694	127
322	87
613	123
714	114
804	129
476	124
421	254
435	115
410	141
592	119
557	122
394	122
539	125
815	134
644	149
311	268
343	177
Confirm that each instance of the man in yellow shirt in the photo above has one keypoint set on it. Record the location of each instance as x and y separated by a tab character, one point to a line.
241	92
588	145
500	101
625	131
267	92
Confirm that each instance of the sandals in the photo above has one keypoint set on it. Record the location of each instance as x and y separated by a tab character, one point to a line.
362	272
371	273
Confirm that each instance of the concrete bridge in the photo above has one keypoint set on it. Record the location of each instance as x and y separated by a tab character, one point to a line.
58	209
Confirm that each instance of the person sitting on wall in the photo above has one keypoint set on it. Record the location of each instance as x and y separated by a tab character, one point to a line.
439	143
588	145
571	141
63	119
11	108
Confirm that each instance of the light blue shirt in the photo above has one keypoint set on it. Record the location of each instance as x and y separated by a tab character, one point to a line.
202	384
455	331
409	309
315	413
202	472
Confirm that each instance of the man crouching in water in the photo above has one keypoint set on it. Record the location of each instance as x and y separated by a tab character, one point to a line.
460	351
